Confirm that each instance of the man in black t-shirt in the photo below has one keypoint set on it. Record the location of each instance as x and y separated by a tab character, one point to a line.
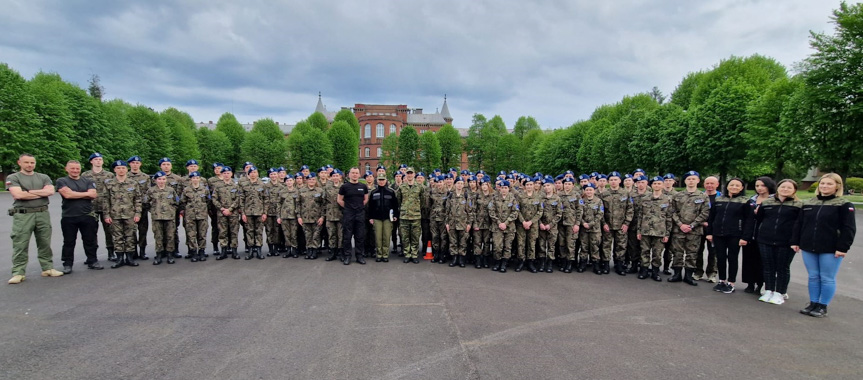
353	197
77	215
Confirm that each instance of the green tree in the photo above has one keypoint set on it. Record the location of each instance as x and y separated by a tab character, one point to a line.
346	144
181	130
490	135
450	146
235	132
308	145
557	151
127	140
90	131
95	88
265	145
154	137
834	81
19	122
524	125
389	150
504	159
429	152
319	121
53	146
682	95
213	145
756	70
473	144
530	146
770	140
409	142
348	116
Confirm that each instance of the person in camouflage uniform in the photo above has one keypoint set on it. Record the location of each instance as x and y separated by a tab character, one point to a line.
333	215
437	206
213	211
552	212
411	196
590	233
176	182
654	215
194	203
570	222
184	181
527	230
669	180
288	202
253	197
482	224
271	209
163	203
502	212
460	211
99	177
691	210
633	245
226	199
143	181
618	215
311	215
122	210
425	213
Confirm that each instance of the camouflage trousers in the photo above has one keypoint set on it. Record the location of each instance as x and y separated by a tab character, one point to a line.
163	233
458	241
526	241
614	244
503	241
229	228
651	244
123	233
289	231
274	231
685	249
590	241
440	241
254	231
409	233
334	228
547	241
312	231
482	241
196	233
569	246
633	246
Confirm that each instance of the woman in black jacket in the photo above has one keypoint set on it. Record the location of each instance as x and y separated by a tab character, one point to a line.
725	226
382	212
824	233
752	272
775	218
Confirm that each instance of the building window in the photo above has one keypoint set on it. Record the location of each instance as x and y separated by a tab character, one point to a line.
380	131
368	152
379	152
368	131
392	128
368	167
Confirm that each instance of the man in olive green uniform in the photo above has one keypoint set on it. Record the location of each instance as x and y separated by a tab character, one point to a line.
194	204
482	224
311	215
333	214
99	176
654	228
271	207
288	204
570	221
527	228
691	209
226	199
30	191
122	210
253	196
176	183
633	245
552	212
590	233
502	212
214	212
411	196
460	211
437	206
144	181
163	201
618	215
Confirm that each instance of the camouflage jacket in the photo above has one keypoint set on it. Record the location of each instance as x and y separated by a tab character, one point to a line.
227	196
143	181
691	208
174	181
311	204
502	209
636	203
437	204
331	198
481	219
194	202
163	203
572	208
253	196
460	210
122	199
552	209
288	202
655	215
99	179
530	207
593	212
274	197
618	208
411	199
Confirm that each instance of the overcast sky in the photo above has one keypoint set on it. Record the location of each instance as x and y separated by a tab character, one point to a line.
554	60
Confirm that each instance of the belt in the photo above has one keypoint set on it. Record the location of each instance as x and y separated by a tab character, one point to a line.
30	210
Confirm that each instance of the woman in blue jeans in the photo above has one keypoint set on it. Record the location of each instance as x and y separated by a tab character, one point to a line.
824	233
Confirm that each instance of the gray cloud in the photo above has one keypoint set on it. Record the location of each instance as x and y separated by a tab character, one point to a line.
555	60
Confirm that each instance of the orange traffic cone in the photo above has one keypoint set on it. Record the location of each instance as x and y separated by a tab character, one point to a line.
428	255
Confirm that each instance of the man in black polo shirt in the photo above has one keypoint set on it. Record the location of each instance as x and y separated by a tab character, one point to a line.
353	197
77	215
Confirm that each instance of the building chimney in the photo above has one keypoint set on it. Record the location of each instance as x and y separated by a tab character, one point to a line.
211	122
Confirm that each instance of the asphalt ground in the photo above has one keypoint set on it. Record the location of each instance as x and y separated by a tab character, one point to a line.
300	319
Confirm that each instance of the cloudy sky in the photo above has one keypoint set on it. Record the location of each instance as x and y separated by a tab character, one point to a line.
554	60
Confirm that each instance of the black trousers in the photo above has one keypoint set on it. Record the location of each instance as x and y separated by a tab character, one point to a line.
70	226
727	250
353	226
776	261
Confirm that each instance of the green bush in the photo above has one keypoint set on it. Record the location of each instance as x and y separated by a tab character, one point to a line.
813	187
854	183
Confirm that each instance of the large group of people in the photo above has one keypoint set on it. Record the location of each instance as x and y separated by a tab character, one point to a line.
628	223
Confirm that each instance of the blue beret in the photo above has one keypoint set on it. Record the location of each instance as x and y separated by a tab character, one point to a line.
194	174
583	176
247	163
602	176
94	155
614	174
459	179
227	169
322	169
304	167
403	166
559	177
271	171
119	163
690	174
134	158
421	174
640	178
311	175
338	171
192	162
472	178
164	160
281	169
369	172
508	177
568	172
217	165
501	173
589	185
504	183
568	179
159	174
381	166
669	176
289	176
639	170
657	179
481	172
594	175
547	181
465	172
253	168
453	169
485	180
328	166
627	175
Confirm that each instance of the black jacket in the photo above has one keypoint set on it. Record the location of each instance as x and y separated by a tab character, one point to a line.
775	221
826	225
381	201
729	217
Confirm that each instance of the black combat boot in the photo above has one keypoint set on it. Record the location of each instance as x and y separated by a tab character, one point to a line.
549	268
503	263
216	251
202	254
250	252
808	309
582	266
478	262
597	267
111	255
519	266
286	253
568	267
259	252
193	255
687	277
496	266
129	259
346	257
170	256
118	258
678	275
295	252
360	259
234	254
619	269
157	259
461	261
665	270
142	253
642	273
634	268
606	267
454	261
532	267
333	253
655	275
189	254
221	254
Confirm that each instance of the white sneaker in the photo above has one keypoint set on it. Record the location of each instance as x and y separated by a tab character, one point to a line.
785	296
766	296
763	291
776	298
